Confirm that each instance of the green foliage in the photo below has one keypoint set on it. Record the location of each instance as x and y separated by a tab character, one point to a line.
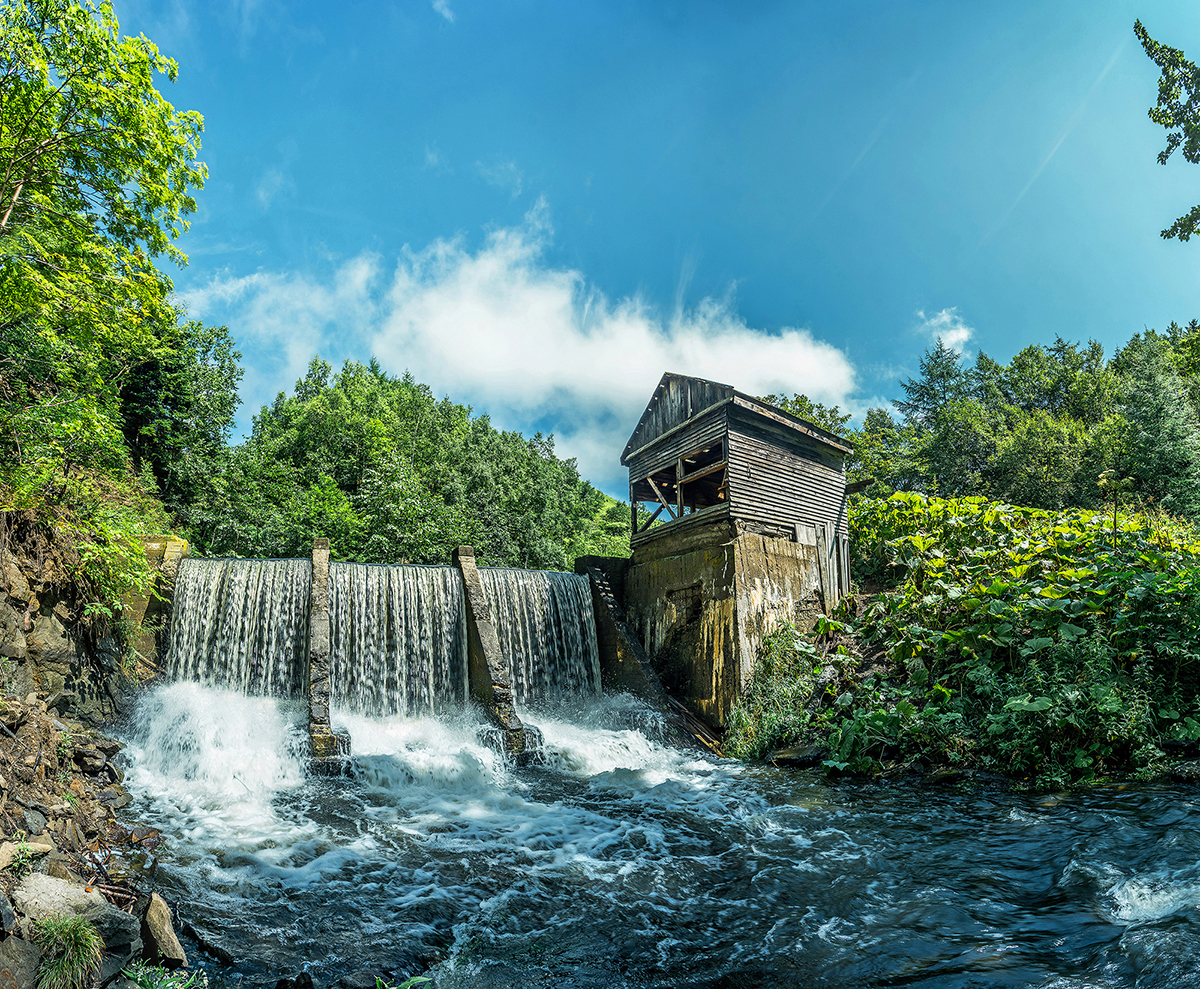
773	707
830	418
22	863
71	952
1178	110
412	980
1015	640
389	473
147	976
96	173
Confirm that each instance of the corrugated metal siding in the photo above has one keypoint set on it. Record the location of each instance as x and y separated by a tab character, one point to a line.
772	484
676	400
705	430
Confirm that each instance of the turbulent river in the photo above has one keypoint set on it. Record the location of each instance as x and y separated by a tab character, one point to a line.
624	862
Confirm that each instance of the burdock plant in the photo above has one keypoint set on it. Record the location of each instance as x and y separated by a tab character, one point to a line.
71	952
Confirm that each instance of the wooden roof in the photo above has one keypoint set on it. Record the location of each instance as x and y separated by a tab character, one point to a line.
680	398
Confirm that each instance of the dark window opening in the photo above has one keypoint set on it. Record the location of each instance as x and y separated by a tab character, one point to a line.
696	481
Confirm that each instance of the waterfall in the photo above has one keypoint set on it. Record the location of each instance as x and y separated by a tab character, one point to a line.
398	634
547	632
398	638
242	624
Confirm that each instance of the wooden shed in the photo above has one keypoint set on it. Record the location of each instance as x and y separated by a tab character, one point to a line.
704	452
744	527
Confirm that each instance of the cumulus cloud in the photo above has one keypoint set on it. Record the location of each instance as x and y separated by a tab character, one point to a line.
503	175
947	326
532	344
443	8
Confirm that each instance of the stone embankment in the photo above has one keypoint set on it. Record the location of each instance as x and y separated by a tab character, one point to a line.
64	850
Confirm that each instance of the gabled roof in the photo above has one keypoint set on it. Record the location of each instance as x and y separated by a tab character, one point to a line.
680	397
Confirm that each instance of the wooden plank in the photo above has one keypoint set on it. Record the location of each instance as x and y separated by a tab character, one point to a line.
787	420
650	520
711	469
823	569
660	497
708	424
714	513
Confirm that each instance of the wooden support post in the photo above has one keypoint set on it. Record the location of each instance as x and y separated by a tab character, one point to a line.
679	488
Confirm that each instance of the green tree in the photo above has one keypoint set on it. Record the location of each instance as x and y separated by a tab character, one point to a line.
1178	110
829	417
1162	438
96	172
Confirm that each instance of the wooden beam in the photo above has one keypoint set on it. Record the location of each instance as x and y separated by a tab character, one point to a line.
661	498
650	520
704	472
686	424
678	487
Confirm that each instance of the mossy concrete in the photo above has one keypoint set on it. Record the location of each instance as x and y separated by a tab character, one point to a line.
702	601
487	672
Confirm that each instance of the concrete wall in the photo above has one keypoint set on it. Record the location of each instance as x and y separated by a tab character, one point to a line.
702	600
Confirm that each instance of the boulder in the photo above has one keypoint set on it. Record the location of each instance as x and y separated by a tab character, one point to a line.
90	760
34	848
19	959
49	645
161	944
109	746
12	632
39	895
35	821
8	919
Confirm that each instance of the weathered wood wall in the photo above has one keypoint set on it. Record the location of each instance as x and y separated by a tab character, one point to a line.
781	478
676	400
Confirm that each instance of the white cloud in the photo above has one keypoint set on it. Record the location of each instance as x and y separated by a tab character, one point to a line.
433	157
270	185
947	326
503	175
443	8
282	321
531	344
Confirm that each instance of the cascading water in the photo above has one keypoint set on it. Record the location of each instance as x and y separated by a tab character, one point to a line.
398	638
242	624
618	862
624	863
547	632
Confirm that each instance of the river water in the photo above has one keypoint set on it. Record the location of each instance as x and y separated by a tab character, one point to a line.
624	862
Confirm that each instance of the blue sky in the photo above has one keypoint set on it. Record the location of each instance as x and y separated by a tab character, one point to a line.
537	207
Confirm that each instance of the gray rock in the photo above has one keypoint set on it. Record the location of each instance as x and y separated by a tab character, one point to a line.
49	645
158	936
8	919
89	760
12	632
109	746
40	895
15	584
20	959
35	821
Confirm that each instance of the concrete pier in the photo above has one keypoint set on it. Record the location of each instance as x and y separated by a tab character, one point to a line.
330	749
487	673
